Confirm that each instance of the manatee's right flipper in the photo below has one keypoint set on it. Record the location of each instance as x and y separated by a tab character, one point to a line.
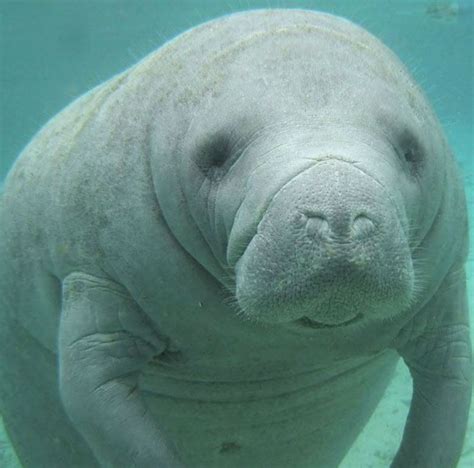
104	340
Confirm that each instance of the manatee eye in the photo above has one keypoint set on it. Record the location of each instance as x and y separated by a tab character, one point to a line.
212	156
410	155
410	150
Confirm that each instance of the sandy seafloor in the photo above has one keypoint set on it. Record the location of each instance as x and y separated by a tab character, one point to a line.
378	443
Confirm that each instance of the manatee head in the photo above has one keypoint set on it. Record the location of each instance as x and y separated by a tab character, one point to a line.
305	170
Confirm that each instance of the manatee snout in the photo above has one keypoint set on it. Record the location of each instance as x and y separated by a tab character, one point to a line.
331	247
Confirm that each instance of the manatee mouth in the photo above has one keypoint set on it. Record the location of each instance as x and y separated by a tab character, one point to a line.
309	323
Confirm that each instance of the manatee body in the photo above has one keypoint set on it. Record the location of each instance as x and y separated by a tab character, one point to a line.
216	258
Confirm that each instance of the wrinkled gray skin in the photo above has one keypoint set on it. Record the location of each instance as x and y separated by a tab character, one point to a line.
226	248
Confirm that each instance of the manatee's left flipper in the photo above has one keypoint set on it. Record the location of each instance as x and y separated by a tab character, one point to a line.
438	354
104	341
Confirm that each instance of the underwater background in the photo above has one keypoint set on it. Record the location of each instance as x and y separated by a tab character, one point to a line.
52	51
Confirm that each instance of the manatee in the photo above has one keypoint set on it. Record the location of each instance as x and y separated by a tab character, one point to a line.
217	257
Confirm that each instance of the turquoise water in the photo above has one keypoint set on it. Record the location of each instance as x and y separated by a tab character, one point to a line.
53	51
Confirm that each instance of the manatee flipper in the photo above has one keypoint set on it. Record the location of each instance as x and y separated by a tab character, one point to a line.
104	340
439	360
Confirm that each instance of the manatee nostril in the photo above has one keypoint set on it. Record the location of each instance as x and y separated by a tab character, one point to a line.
362	226
338	227
317	225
